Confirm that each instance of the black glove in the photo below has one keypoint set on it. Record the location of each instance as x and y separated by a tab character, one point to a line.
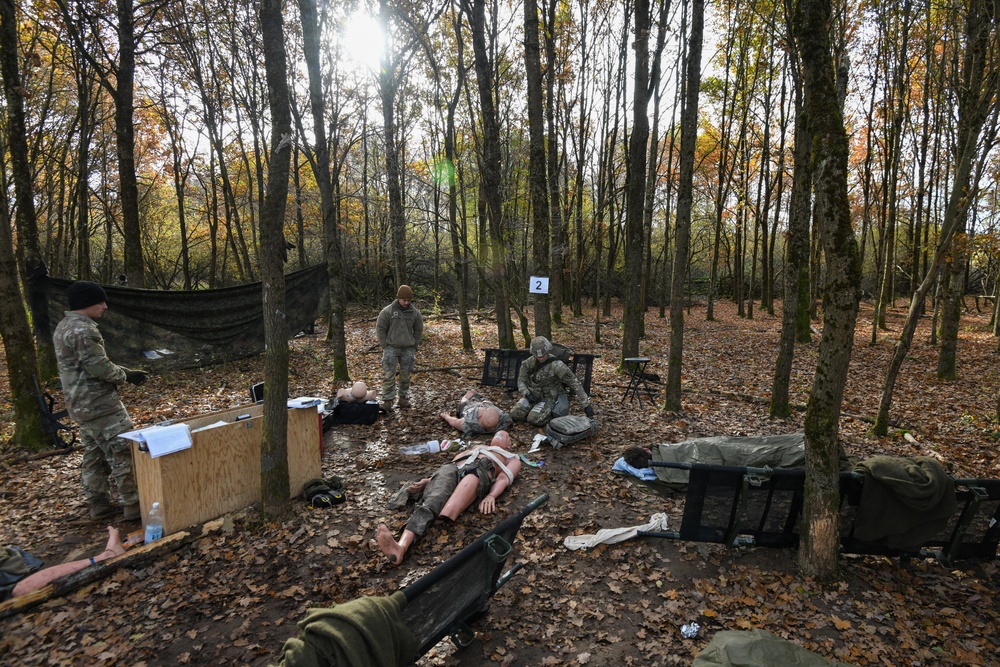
589	411
136	377
530	398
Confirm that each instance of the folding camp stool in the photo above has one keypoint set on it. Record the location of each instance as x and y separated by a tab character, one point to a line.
637	386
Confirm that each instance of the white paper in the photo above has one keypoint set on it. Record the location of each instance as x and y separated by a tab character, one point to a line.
160	440
217	424
151	354
307	402
168	439
536	444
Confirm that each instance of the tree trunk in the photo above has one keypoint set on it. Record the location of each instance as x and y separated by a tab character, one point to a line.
665	284
653	162
27	225
920	194
974	84
724	173
635	185
560	243
832	213
900	104
125	137
457	237
388	85
685	196
796	257
490	171
536	165
274	485
14	329
180	174
319	158
86	104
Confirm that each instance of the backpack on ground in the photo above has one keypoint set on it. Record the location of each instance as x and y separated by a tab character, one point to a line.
354	413
569	429
561	352
321	492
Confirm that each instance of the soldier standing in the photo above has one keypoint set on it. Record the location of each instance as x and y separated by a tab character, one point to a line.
399	327
90	384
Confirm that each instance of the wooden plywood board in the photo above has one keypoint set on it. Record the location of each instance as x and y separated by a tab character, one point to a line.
220	473
306	430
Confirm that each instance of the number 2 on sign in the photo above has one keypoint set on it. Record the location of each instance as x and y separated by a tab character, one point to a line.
538	285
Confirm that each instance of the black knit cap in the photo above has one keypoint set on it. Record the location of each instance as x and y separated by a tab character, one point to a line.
83	294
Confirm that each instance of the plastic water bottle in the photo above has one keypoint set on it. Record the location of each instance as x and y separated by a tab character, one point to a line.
429	447
154	523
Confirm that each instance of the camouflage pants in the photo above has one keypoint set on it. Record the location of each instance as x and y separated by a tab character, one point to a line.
539	414
403	358
443	483
104	454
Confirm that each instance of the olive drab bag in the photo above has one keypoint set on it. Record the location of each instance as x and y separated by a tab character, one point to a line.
569	429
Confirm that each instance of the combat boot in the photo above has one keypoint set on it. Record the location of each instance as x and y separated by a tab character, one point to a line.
132	512
102	509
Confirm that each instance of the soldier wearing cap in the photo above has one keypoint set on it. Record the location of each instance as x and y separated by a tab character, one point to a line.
544	383
399	327
90	384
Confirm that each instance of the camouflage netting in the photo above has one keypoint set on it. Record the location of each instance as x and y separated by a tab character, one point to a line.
162	330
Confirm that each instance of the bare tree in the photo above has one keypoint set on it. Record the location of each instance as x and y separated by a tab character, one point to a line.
18	346
274	484
635	185
794	310
685	195
319	159
396	55
832	216
978	82
490	168
536	164
560	243
458	246
117	76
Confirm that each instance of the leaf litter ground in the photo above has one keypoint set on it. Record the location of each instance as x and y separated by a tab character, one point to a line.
233	598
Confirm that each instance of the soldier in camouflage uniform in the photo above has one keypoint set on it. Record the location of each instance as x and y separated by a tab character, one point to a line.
543	382
399	327
90	384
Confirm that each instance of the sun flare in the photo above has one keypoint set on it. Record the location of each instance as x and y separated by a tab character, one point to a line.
362	41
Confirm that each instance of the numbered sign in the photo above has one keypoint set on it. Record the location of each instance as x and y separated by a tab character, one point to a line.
538	285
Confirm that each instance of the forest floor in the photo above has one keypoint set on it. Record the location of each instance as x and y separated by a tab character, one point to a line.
233	597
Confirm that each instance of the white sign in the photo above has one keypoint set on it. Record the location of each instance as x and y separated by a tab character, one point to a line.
538	285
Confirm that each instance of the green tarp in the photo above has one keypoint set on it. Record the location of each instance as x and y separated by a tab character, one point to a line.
775	451
758	648
170	329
